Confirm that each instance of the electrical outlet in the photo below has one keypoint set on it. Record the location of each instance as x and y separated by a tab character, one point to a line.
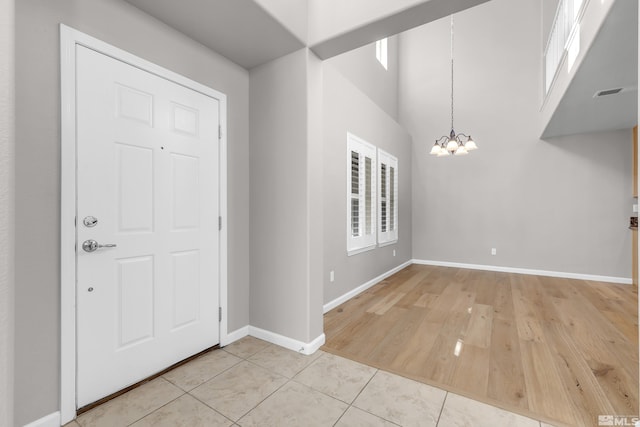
493	251
331	276
394	252
635	207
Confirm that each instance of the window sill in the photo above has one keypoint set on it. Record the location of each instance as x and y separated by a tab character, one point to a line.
391	242
360	250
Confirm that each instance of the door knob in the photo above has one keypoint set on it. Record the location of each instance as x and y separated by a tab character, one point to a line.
91	245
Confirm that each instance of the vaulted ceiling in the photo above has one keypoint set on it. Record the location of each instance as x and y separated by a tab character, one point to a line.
253	32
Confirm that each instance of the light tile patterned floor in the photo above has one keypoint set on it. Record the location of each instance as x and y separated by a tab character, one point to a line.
254	383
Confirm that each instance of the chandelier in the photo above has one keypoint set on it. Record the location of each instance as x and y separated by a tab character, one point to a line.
456	144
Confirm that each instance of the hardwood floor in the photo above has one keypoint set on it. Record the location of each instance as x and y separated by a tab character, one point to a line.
560	350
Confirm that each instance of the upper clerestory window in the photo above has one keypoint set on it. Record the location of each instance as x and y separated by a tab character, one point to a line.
381	52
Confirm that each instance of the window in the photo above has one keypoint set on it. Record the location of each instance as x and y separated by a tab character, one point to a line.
361	195
388	198
381	52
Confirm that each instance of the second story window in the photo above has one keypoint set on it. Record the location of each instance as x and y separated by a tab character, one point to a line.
381	52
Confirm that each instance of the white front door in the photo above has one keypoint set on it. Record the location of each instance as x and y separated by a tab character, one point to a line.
148	183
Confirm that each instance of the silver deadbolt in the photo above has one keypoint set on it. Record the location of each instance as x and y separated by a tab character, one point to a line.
91	245
90	221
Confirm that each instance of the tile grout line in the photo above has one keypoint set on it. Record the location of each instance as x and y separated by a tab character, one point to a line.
444	401
273	392
235	422
358	395
242	359
206	381
365	386
213	409
266	397
342	415
162	406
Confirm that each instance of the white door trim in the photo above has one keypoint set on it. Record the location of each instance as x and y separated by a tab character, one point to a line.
69	38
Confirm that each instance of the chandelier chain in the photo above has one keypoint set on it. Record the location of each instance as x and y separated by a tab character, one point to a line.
452	72
456	144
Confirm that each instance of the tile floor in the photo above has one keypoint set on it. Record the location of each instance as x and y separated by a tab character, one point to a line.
254	383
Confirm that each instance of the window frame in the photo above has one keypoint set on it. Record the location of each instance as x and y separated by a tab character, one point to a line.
389	198
362	242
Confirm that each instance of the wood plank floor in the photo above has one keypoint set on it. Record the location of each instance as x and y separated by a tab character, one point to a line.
559	350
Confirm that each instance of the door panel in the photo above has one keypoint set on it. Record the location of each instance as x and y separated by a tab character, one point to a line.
134	175
186	293
147	156
134	305
185	173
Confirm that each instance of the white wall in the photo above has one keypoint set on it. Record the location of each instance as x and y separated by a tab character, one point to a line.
560	205
363	70
7	161
347	109
283	299
38	175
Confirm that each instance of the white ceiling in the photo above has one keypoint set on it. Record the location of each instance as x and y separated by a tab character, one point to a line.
253	32
239	30
338	26
611	62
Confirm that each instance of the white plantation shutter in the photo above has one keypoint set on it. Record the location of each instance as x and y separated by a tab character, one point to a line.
361	195
355	193
388	198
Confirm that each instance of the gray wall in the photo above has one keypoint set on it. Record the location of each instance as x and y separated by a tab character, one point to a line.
281	247
560	205
315	189
38	175
347	109
7	158
363	70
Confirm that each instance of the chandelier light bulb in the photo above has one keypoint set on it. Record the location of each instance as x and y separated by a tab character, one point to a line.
435	150
470	145
452	145
461	151
443	152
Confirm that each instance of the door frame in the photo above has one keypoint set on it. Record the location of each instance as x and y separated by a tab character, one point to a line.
69	39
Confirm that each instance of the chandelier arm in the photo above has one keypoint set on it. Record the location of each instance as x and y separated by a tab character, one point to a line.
445	137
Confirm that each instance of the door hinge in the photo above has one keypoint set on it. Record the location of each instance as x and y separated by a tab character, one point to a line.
219	132
219	223
219	314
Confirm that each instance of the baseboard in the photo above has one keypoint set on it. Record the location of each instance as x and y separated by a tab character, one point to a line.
51	420
286	342
352	293
234	336
591	277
